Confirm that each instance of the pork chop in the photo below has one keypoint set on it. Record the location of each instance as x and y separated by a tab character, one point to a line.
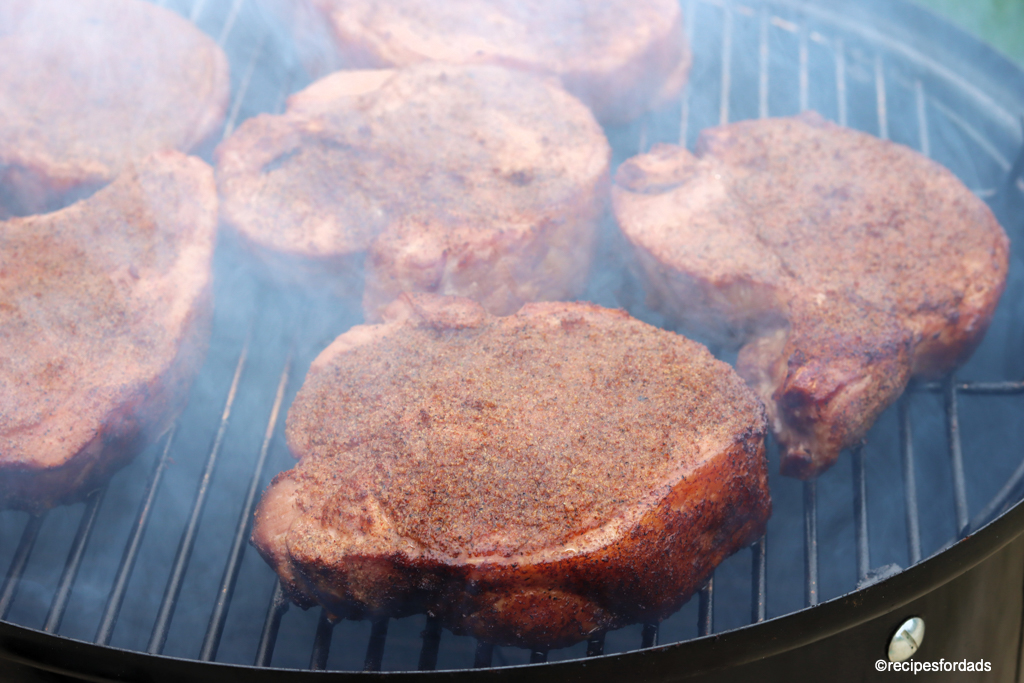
528	479
87	86
843	264
477	181
621	57
105	313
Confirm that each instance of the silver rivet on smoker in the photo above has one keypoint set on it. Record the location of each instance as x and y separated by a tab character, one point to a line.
907	639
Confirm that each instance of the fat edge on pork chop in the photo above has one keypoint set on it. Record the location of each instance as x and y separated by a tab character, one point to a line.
529	479
842	264
105	310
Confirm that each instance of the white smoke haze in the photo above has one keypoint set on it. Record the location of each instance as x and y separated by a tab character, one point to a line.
971	136
91	86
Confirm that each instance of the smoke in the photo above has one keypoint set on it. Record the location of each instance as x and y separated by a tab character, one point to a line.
90	87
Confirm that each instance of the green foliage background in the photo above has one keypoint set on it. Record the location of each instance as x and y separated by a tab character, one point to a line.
998	22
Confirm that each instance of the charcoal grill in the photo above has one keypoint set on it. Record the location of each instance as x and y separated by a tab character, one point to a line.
152	577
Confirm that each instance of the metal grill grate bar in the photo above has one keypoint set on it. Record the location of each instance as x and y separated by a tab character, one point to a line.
279	604
804	76
689	19
922	118
229	24
811	543
188	537
375	648
74	561
18	562
131	549
197	9
841	102
706	608
1016	171
909	481
483	655
860	513
243	87
322	643
759	580
431	643
1009	493
974	388
762	66
649	636
956	457
641	146
723	98
880	101
234	563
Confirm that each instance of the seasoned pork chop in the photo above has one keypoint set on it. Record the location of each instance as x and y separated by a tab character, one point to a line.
477	181
87	86
621	57
104	321
842	263
529	479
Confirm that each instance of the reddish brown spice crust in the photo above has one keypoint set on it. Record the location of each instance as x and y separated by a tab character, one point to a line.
841	263
105	311
475	181
620	57
529	479
88	86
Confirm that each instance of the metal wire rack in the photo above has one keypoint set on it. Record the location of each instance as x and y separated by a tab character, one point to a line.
754	60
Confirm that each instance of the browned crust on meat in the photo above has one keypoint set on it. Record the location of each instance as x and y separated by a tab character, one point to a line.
87	86
476	181
621	58
529	479
105	310
843	263
835	373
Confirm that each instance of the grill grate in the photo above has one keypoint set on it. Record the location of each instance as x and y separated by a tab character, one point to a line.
784	37
188	538
131	549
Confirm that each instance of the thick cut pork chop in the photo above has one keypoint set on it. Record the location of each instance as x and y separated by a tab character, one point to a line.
842	263
621	57
476	181
87	86
104	320
529	479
